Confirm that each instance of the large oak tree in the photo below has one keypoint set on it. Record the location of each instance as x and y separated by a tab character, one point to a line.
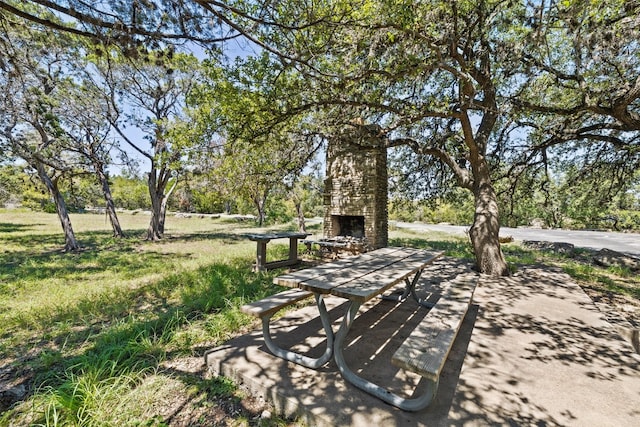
427	76
456	82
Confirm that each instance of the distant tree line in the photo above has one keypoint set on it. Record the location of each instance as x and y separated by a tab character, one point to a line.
18	188
558	207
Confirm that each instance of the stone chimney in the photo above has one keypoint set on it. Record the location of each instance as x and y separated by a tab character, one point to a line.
355	197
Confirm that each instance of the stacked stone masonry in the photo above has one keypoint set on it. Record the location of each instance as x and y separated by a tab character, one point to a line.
356	184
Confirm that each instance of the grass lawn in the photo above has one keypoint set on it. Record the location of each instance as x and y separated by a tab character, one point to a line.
107	336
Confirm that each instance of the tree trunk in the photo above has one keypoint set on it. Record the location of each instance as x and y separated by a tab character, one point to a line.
485	230
163	214
260	202
154	231
111	206
71	244
300	214
163	206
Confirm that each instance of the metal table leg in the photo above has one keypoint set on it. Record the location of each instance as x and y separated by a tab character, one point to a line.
410	289
298	358
407	404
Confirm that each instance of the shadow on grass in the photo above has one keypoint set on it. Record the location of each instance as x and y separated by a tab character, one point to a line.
135	343
34	240
7	227
101	253
87	239
224	238
99	239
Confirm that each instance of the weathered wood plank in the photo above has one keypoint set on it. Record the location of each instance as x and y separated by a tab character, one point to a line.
329	281
269	305
377	281
282	263
462	287
260	237
333	269
427	349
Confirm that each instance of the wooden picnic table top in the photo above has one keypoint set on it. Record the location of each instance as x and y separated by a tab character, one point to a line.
361	277
276	235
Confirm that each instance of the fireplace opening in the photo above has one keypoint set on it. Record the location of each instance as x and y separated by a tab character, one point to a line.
349	225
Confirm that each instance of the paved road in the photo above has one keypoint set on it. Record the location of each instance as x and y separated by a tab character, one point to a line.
622	242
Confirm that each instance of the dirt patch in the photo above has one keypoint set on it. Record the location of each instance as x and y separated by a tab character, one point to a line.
15	383
205	410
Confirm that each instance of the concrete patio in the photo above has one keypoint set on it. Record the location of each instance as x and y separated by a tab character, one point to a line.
533	350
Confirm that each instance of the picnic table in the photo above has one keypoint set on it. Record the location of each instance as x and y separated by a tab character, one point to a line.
359	279
261	252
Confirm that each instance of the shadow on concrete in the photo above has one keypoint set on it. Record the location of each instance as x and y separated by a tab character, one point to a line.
533	350
542	354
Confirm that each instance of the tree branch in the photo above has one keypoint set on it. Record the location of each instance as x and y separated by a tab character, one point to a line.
116	26
462	175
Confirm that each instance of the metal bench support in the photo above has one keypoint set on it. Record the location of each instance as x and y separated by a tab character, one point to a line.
298	358
407	404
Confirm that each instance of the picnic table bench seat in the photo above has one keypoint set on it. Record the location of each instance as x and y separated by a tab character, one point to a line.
268	306
425	351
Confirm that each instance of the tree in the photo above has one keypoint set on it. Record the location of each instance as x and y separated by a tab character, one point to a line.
33	65
148	95
71	105
425	76
83	120
450	81
305	192
255	152
255	171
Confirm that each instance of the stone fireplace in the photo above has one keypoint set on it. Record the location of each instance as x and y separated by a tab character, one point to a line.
355	197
